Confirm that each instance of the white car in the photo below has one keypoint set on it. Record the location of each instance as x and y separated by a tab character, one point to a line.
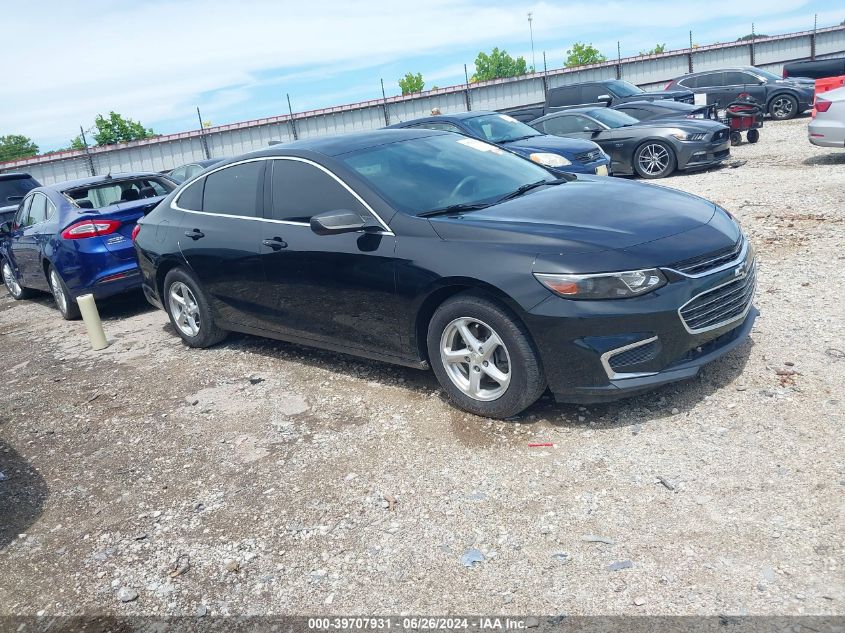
827	129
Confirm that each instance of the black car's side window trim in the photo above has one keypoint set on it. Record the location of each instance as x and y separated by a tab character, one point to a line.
175	203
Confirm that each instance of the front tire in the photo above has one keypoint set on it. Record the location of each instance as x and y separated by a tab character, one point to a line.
64	301
483	357
654	159
14	287
783	107
189	310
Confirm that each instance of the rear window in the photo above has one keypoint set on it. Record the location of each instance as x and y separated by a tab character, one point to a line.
112	192
565	95
16	189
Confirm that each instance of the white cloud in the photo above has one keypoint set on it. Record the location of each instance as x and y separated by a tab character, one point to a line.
153	60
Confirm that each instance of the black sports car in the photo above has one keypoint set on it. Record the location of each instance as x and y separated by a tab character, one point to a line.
665	110
431	249
652	149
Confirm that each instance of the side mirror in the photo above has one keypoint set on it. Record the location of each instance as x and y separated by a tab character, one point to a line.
334	222
592	129
606	98
5	229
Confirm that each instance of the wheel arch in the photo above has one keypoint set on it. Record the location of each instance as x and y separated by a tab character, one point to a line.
164	267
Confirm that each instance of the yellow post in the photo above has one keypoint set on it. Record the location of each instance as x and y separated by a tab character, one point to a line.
91	318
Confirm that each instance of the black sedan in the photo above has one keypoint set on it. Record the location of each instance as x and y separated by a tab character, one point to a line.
652	149
189	170
665	110
429	249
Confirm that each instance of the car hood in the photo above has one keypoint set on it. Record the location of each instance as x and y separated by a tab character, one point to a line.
589	214
568	147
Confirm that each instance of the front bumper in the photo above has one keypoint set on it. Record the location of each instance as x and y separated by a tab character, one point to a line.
604	350
702	154
595	167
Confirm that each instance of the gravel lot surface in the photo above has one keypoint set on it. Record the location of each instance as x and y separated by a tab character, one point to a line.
260	477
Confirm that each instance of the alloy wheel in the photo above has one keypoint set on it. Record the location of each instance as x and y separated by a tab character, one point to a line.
653	159
58	291
782	108
10	280
184	308
475	358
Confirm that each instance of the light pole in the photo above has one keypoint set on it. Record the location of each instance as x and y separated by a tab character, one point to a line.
531	30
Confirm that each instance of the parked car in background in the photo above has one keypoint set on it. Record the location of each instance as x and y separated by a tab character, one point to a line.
429	249
782	98
827	128
13	188
815	69
74	238
186	172
608	92
558	155
651	149
665	110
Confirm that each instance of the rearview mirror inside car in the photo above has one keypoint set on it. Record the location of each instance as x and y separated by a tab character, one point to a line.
340	221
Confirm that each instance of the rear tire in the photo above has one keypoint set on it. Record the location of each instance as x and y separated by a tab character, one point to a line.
753	136
783	107
64	301
14	287
654	159
496	372
189	309
736	138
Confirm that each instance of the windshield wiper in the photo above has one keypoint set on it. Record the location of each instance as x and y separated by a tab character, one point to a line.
531	185
518	138
454	208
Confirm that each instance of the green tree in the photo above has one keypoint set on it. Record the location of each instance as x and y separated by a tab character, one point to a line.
751	36
660	48
497	65
115	129
581	54
411	83
15	146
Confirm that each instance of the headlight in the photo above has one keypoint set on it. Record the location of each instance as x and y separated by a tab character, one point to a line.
549	160
683	136
603	285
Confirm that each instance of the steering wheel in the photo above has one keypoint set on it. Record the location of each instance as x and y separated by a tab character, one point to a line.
463	183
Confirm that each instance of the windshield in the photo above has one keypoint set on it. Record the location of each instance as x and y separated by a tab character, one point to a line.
435	172
624	88
499	128
15	188
612	118
765	74
111	192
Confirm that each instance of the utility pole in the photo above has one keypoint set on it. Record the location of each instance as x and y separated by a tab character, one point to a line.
292	124
384	104
87	152
466	90
751	47
531	31
202	135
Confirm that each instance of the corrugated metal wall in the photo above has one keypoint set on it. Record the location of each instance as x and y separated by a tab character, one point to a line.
229	140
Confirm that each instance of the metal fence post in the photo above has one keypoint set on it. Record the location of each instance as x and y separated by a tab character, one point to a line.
618	60
466	90
751	47
202	135
87	152
813	37
384	104
689	55
545	77
291	121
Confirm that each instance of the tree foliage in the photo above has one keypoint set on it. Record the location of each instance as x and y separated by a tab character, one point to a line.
751	36
411	83
660	48
581	54
116	129
15	146
497	65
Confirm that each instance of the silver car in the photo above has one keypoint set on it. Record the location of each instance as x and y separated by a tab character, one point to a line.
827	129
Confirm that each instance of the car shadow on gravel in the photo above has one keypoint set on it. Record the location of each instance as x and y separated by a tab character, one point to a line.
23	493
110	309
834	157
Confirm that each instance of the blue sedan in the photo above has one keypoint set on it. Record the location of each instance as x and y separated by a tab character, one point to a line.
556	154
75	238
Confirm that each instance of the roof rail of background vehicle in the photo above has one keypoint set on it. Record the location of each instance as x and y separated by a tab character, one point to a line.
284	118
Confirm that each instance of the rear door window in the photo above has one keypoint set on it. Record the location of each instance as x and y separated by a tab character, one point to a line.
300	190
23	212
565	124
590	93
565	95
234	190
711	80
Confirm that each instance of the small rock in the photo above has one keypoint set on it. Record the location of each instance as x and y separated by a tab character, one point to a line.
140	536
127	595
351	476
201	611
668	484
254	380
561	556
741	388
531	622
639	601
329	599
598	539
620	565
232	565
2	476
675	411
471	557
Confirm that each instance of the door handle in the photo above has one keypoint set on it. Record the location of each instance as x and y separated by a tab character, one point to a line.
276	243
194	234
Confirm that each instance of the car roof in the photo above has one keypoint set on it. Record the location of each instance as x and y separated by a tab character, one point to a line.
14	176
554	115
98	180
345	143
720	70
668	104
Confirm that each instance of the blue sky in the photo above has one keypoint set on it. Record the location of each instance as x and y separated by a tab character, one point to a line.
156	61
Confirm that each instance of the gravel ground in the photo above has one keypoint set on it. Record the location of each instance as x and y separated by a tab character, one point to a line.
260	477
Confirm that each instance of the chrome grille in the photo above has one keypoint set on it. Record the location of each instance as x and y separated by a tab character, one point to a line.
721	305
634	356
702	264
588	157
